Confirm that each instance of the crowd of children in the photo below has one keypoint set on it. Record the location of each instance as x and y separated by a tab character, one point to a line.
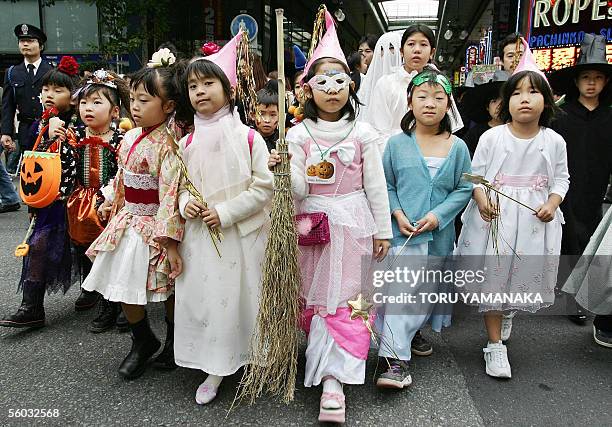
137	212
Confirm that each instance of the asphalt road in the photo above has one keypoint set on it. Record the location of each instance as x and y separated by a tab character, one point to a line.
560	377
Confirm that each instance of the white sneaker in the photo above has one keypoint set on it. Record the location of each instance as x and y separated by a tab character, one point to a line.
506	326
496	358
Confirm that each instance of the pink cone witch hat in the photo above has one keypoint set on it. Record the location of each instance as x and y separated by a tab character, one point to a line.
328	47
226	59
528	62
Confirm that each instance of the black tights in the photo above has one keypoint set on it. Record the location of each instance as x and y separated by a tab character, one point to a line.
83	261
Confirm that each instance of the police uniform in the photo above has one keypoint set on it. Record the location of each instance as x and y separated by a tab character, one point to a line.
22	92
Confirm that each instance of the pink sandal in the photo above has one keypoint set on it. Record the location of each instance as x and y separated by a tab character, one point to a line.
332	415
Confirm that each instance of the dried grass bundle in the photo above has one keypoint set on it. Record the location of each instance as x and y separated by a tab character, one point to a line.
215	234
318	29
274	346
245	89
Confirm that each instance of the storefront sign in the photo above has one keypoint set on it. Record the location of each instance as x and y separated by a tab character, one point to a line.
471	56
556	29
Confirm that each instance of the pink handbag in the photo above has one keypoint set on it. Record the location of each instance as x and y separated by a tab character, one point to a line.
312	228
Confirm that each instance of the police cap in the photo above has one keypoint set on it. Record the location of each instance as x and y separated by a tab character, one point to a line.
27	31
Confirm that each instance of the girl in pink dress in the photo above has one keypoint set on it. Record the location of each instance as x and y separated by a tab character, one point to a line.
336	170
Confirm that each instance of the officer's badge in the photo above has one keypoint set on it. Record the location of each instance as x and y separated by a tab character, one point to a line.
24	29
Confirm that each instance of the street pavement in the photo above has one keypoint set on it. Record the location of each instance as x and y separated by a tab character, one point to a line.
560	377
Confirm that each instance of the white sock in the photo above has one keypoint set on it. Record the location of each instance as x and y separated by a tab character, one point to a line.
332	385
213	381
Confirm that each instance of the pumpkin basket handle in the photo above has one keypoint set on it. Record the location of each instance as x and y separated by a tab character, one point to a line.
39	138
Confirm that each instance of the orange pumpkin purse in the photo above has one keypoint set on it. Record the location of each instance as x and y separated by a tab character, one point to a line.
40	174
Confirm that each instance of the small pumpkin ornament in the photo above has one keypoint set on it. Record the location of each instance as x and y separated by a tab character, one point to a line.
23	249
311	170
40	176
325	170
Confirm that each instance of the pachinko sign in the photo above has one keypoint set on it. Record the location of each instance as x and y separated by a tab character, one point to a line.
471	56
557	27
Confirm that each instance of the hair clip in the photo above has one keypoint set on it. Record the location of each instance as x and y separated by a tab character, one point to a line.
102	77
68	65
162	58
210	48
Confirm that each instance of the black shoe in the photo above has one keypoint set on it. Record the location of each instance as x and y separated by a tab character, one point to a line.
122	323
578	319
165	359
31	313
10	208
397	376
87	300
107	316
144	345
420	346
603	338
25	317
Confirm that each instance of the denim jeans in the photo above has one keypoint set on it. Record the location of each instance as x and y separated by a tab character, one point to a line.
12	159
8	195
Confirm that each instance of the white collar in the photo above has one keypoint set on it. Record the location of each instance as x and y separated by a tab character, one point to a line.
36	64
403	74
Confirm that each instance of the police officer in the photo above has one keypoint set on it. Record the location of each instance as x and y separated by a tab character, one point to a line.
22	87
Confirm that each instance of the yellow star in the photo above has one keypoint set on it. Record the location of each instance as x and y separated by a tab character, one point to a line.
360	307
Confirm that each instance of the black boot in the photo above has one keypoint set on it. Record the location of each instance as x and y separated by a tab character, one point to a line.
144	345
165	359
122	323
107	316
31	313
87	300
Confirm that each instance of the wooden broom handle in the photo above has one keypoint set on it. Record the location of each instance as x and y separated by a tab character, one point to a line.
280	58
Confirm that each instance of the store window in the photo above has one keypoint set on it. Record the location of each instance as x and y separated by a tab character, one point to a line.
12	14
71	27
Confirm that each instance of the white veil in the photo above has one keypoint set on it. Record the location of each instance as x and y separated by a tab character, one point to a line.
384	62
221	163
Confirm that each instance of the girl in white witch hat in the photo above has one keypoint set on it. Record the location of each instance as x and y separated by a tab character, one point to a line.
338	180
217	297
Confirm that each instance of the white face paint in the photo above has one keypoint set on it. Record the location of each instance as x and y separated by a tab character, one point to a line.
330	81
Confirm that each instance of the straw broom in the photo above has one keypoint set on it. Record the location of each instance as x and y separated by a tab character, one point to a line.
274	346
215	233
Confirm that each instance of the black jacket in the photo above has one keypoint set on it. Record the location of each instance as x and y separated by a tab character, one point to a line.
588	137
23	95
473	135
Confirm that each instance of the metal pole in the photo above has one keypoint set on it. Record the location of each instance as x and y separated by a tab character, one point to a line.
518	16
440	25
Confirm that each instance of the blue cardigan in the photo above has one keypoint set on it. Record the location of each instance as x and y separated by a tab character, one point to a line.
412	190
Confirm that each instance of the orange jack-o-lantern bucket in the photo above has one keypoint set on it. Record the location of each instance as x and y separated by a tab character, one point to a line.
40	176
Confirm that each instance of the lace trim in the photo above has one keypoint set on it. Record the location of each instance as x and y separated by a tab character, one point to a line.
142	209
140	181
